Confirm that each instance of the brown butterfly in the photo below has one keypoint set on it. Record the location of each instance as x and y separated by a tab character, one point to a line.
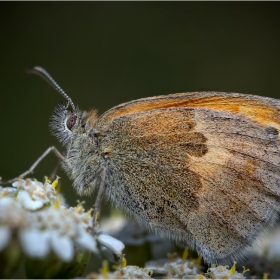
202	167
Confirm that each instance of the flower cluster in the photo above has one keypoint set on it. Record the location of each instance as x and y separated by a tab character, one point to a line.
222	272
181	268
132	272
33	214
126	272
178	268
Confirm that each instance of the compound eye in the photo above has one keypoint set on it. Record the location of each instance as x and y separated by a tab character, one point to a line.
71	121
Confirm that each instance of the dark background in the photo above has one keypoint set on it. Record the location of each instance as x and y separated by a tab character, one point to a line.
106	53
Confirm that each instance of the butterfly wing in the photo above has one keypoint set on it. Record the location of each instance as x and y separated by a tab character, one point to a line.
203	168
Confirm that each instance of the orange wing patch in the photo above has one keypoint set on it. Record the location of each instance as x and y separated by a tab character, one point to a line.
257	109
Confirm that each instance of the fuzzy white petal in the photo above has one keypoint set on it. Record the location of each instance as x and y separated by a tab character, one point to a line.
5	202
34	242
115	245
86	241
27	202
9	191
5	237
16	184
62	246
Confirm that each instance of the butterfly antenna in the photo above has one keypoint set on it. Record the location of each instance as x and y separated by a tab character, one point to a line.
47	77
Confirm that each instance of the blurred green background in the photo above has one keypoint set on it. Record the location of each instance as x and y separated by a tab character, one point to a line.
106	53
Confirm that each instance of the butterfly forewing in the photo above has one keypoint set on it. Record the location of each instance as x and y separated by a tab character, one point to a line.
201	168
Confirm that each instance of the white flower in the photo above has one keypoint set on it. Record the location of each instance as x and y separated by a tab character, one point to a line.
5	237
62	246
27	202
34	242
33	195
113	244
181	268
222	272
11	213
86	241
8	191
157	266
33	211
132	272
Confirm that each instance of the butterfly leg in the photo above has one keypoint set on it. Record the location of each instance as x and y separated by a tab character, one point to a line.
97	204
34	165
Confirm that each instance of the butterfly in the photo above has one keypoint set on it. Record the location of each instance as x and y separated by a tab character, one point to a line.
202	168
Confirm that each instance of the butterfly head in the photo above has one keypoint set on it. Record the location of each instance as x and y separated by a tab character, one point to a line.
64	123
